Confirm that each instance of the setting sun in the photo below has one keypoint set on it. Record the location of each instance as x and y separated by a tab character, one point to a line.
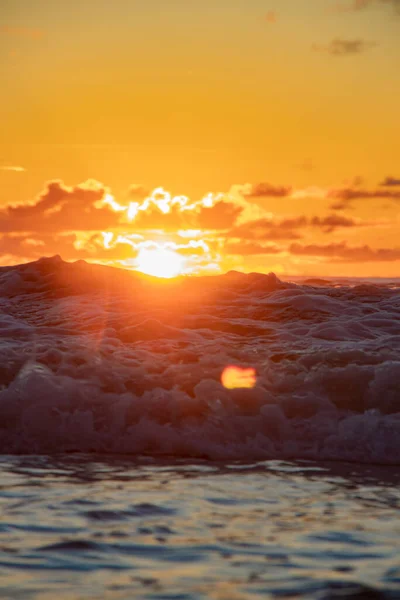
160	262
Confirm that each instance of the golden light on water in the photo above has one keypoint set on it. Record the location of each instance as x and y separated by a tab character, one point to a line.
235	377
160	262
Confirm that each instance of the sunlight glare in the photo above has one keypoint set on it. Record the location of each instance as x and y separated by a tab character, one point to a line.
236	377
160	262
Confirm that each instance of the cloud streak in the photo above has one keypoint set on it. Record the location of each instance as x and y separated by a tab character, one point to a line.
359	5
13	168
390	182
343	253
264	190
341	47
345	196
22	32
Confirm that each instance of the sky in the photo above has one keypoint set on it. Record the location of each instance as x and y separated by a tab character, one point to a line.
199	137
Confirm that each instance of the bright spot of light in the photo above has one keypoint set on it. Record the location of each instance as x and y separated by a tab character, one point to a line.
160	262
236	377
107	238
109	199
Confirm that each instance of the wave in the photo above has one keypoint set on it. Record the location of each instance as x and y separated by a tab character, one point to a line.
96	359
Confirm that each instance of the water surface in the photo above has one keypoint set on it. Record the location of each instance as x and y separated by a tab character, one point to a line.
113	527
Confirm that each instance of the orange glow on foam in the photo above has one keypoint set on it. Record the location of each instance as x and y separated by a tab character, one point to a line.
236	377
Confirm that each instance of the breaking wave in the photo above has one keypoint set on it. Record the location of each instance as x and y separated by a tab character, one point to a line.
95	359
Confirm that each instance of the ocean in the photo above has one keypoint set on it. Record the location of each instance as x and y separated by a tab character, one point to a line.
128	470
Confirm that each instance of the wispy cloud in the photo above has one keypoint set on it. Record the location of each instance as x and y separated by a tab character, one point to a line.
343	253
340	47
264	190
271	16
15	168
344	197
358	5
306	165
359	193
25	32
390	182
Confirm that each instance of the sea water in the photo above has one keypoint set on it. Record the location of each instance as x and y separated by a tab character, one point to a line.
117	527
129	470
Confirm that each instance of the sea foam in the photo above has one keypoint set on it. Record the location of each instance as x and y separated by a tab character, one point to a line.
95	359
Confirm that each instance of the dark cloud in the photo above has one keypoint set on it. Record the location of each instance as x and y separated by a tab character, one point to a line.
267	229
343	253
61	208
260	190
88	207
340	205
340	47
344	196
390	182
332	222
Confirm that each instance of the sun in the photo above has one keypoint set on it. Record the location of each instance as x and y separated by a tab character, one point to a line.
160	262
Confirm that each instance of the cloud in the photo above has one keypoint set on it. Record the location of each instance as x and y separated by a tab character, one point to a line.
306	165
21	246
263	190
90	207
271	16
15	168
358	5
356	181
332	222
390	182
309	192
24	32
161	210
340	47
343	253
267	229
105	247
345	196
136	191
287	229
220	216
86	221
61	208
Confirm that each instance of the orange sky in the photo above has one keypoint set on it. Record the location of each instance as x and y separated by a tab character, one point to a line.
277	123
